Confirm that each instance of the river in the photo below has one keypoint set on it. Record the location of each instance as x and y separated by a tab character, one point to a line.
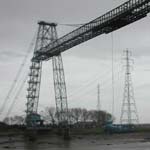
45	142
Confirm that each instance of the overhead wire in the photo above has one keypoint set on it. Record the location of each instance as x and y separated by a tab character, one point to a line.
90	89
87	87
107	76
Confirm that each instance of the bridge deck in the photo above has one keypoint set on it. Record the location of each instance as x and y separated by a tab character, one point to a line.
119	17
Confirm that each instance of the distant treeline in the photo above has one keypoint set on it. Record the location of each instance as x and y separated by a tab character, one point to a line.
77	117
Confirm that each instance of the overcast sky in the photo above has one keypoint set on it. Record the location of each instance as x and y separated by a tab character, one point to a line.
85	65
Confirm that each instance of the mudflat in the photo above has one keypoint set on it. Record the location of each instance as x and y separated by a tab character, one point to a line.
131	141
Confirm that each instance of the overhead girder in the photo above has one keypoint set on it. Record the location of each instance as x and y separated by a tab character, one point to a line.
117	18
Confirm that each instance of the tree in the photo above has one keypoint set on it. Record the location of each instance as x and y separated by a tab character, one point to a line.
50	115
85	115
78	116
15	120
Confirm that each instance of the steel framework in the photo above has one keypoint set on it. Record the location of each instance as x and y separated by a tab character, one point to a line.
60	90
121	16
129	113
49	46
46	34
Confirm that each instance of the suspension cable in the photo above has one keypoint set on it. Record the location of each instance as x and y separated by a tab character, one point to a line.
70	25
113	94
17	75
16	96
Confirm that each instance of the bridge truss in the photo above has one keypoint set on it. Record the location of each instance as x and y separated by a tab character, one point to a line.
121	16
49	46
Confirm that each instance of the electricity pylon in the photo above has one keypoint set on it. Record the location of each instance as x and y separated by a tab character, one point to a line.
129	113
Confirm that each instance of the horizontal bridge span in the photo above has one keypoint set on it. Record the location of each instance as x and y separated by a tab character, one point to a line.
119	17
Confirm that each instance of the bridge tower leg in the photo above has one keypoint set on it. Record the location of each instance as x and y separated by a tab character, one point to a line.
60	94
46	34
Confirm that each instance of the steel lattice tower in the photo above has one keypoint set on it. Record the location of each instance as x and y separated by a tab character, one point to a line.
60	90
129	113
46	34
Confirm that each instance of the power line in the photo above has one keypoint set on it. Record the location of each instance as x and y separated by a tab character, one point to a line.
89	82
88	88
87	91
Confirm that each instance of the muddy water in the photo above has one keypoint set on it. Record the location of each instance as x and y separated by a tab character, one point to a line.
43	142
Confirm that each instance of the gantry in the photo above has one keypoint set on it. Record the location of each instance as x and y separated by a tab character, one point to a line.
49	46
